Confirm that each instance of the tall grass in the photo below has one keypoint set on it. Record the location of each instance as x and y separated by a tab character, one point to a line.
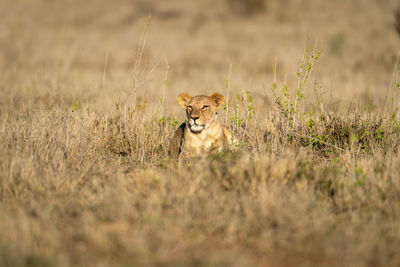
314	181
80	188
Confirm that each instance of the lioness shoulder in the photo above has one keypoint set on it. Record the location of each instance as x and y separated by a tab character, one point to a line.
202	131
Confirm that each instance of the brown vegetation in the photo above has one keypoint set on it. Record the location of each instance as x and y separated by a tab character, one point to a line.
86	118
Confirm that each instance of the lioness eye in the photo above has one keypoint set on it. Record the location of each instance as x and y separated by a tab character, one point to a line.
189	108
205	107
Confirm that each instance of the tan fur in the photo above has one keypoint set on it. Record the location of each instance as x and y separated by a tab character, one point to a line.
202	130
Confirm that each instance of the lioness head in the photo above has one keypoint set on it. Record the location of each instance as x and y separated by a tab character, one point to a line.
201	110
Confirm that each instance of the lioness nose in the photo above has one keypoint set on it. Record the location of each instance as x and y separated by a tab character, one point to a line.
194	118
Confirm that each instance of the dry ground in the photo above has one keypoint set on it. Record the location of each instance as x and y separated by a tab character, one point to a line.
84	176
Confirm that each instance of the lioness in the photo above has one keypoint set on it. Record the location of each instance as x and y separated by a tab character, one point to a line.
201	131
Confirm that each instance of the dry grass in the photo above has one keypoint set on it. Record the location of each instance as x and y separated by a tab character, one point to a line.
85	121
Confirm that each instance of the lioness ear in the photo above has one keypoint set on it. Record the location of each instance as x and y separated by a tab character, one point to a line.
218	99
184	99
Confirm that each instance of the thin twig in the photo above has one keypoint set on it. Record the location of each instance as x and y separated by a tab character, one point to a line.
104	77
137	74
228	85
392	81
163	89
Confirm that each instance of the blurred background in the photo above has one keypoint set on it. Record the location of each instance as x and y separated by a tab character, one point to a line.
55	51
